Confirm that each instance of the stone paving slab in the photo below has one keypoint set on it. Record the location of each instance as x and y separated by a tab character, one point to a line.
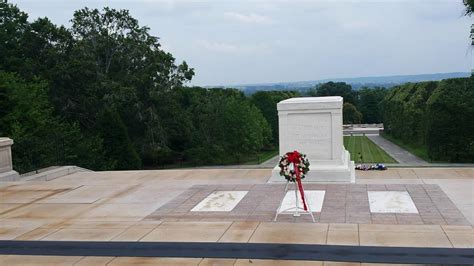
103	261
98	206
447	236
261	232
411	174
343	203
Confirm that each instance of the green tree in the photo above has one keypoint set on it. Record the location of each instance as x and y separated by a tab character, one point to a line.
13	25
116	141
41	138
266	102
469	6
30	49
435	117
450	125
335	89
404	111
226	127
351	115
246	131
369	104
122	66
104	90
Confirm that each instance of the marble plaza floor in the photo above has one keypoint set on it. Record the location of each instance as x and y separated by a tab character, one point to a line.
158	206
342	204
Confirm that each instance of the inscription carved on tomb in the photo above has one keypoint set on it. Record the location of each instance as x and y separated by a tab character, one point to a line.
311	133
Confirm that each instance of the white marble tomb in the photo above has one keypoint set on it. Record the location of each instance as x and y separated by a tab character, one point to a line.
313	126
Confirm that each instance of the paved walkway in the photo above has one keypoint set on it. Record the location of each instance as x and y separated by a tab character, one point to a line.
116	206
397	153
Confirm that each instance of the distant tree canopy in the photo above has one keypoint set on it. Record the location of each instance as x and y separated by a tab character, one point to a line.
335	89
104	95
368	104
350	114
41	137
436	116
266	102
218	124
469	6
365	101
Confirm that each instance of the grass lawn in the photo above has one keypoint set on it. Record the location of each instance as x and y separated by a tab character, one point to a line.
371	153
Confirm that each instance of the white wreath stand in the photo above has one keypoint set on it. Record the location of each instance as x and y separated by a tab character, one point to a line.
297	208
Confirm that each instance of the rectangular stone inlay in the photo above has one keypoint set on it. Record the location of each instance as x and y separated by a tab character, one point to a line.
315	200
220	201
343	203
391	202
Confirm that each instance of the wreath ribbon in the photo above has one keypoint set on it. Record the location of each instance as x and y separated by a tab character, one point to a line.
294	158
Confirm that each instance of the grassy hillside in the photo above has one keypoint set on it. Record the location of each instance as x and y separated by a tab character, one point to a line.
362	146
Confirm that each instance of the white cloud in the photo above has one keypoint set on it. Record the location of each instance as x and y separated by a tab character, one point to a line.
249	18
232	47
218	46
291	40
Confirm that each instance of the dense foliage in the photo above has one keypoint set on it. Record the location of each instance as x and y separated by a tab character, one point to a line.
214	125
368	103
350	114
360	106
41	137
469	6
104	95
267	101
335	89
437	116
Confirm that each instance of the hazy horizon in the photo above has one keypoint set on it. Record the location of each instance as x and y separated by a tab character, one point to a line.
252	42
339	78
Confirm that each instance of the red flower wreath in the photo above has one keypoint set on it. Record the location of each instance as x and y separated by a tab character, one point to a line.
288	162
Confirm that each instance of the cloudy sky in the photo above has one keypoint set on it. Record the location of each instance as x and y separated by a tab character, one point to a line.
241	42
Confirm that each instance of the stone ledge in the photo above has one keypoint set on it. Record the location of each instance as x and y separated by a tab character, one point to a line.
6	142
51	173
9	176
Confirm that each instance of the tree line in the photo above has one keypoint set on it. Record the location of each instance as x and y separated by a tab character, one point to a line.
360	106
102	94
437	117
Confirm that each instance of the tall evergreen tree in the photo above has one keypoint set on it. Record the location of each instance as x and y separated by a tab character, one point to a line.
117	144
